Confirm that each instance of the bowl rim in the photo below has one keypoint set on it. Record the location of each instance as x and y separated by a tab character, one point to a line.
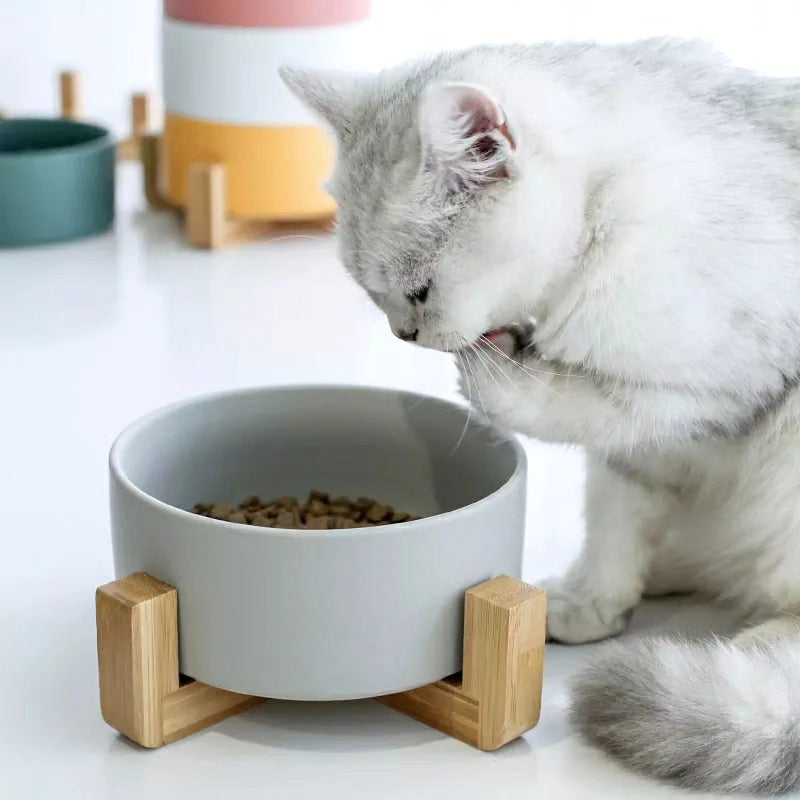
100	141
129	432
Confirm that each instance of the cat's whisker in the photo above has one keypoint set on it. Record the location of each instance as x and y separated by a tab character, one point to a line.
469	399
486	363
288	236
529	372
477	385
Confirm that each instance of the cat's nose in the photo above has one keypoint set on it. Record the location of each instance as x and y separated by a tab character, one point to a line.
408	336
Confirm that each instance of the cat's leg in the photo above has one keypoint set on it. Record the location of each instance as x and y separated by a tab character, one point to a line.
623	525
676	568
556	402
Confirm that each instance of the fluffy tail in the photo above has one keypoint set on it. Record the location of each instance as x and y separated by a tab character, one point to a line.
719	716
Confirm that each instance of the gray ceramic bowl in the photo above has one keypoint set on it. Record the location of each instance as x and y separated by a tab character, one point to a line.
322	615
56	180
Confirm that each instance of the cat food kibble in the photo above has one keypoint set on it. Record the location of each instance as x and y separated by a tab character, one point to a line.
318	513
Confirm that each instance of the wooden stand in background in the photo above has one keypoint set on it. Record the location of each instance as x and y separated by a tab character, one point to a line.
71	94
498	699
207	223
142	123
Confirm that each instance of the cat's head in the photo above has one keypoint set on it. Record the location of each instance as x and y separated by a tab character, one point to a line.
444	217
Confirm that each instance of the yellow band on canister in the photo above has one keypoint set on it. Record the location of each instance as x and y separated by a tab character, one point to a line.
272	172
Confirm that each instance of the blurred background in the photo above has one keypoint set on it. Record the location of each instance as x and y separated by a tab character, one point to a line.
117	43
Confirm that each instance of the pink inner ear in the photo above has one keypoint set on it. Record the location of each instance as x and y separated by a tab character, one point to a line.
484	114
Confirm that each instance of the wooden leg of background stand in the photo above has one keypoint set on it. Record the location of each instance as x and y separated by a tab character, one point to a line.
205	205
499	697
70	94
152	164
137	651
142	122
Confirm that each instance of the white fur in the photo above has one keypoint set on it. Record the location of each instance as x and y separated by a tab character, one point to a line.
651	226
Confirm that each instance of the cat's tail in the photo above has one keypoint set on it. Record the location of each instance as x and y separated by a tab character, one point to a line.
719	716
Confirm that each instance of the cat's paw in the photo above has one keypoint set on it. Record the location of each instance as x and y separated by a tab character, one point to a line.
574	617
516	341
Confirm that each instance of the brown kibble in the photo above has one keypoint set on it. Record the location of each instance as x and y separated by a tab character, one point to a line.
377	513
285	519
221	510
319	513
317	508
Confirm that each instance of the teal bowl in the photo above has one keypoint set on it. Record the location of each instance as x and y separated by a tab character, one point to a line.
56	180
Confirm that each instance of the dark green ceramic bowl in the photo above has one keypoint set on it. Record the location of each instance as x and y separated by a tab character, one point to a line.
56	180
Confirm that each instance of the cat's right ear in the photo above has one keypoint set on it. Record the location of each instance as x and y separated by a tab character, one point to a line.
465	136
333	95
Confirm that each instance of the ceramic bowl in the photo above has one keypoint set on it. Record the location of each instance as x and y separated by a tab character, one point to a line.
56	180
318	615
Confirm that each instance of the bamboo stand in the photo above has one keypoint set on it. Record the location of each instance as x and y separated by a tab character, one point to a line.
498	699
207	222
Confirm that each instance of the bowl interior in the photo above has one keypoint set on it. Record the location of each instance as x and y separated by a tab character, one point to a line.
18	136
400	448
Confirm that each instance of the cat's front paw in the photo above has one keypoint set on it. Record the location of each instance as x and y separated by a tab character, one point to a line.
574	617
516	341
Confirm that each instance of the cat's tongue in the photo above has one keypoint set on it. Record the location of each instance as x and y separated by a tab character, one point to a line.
493	334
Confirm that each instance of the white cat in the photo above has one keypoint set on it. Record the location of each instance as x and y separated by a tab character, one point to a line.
642	204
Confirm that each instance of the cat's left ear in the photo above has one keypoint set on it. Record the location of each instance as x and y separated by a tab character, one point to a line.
465	135
332	95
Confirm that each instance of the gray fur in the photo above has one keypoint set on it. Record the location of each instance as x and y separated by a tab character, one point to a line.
673	709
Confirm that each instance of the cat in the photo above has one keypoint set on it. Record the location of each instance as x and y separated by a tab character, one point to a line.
607	237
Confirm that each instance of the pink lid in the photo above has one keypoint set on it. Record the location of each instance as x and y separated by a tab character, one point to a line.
267	13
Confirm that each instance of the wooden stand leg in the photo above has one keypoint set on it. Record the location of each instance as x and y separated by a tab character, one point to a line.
70	92
142	122
137	652
152	164
141	114
499	697
205	206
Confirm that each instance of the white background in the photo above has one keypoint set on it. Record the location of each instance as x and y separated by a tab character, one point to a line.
115	42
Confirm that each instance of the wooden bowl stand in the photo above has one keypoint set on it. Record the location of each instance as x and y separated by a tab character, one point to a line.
207	223
144	696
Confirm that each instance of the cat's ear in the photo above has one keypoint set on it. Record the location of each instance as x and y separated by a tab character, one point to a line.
465	136
333	95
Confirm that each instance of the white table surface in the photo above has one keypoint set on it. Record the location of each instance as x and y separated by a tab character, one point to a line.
96	332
